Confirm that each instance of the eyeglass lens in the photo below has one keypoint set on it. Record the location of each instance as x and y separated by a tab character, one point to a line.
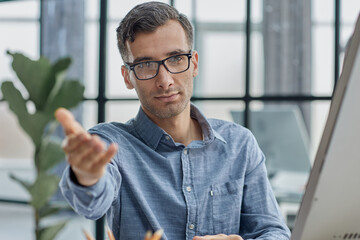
174	64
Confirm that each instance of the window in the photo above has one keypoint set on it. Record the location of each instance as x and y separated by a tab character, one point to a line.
256	57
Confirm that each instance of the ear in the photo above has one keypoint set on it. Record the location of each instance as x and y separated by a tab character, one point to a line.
126	75
194	60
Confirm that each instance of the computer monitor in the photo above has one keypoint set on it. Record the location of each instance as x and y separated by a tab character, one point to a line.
330	208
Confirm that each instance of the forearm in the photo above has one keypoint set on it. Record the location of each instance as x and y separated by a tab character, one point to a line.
274	230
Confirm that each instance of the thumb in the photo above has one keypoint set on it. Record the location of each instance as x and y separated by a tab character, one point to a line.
67	121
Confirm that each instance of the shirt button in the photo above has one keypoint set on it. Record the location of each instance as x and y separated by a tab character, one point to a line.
188	188
185	151
191	226
167	137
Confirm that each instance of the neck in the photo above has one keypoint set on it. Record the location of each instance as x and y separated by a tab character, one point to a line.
182	128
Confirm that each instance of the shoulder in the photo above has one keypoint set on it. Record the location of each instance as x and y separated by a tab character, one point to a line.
113	130
229	129
236	136
240	144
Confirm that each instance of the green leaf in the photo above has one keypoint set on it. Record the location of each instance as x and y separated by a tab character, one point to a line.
61	65
48	210
67	94
50	154
34	75
49	233
13	96
32	124
27	185
43	188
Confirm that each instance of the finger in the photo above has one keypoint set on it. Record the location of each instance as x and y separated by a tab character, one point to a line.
92	154
157	235
86	154
107	156
67	121
74	141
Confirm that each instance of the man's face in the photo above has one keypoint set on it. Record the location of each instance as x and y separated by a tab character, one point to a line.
166	95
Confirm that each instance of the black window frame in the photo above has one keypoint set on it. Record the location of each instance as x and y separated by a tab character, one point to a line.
102	99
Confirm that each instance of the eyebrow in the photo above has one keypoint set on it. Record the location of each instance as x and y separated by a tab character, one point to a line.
172	53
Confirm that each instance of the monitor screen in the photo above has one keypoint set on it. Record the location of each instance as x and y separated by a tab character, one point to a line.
330	208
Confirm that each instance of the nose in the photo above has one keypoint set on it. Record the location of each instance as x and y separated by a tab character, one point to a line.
164	78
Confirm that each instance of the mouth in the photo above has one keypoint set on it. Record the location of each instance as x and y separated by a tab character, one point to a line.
168	98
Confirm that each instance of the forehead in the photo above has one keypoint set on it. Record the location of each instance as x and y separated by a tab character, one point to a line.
165	39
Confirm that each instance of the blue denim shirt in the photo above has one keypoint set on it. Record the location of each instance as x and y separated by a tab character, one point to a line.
217	185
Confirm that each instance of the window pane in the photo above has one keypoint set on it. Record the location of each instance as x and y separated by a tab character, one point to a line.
15	145
257	64
115	86
221	64
220	11
92	9
118	9
322	60
20	9
220	109
350	10
185	7
286	29
323	11
256	11
89	118
13	41
91	59
121	111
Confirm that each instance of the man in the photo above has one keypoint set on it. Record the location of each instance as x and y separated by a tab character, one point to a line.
168	168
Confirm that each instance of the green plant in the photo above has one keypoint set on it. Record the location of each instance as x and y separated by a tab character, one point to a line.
47	89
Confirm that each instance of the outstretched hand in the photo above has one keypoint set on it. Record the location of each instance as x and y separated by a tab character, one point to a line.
87	154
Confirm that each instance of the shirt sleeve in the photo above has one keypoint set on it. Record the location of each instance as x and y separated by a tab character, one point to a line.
260	217
93	201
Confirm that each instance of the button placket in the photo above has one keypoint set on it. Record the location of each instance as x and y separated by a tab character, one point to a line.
189	193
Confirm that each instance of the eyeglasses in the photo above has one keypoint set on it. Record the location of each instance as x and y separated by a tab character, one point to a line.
150	69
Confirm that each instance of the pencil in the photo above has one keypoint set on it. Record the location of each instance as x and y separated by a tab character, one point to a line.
109	233
87	235
156	236
148	235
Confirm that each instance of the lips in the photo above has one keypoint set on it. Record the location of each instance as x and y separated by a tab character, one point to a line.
168	98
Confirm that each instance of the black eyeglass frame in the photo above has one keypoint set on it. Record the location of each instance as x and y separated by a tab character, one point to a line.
161	62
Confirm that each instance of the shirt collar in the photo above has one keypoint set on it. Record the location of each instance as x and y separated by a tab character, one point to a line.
152	133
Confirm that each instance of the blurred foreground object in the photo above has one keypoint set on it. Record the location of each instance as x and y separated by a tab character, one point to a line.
47	89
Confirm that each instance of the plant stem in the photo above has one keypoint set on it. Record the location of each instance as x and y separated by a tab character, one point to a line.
37	221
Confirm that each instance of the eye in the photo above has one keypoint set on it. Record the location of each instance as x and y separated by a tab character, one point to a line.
140	65
144	65
176	59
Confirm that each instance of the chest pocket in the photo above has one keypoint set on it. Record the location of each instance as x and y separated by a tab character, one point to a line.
226	206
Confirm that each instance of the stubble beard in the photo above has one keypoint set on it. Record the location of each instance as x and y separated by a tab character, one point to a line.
170	110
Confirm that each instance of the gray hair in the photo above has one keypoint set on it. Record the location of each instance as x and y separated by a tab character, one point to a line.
146	17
